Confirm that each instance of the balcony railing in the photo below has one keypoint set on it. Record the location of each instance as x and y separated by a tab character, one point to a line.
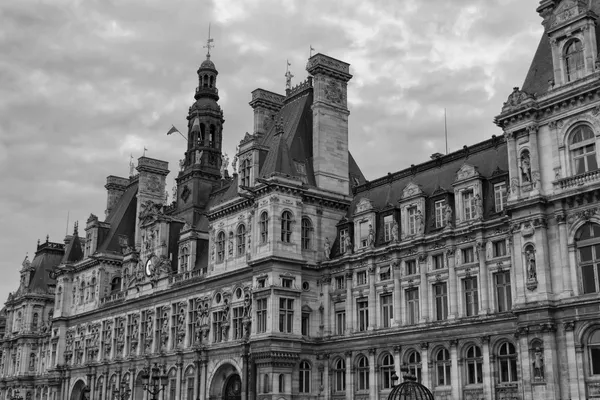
113	297
186	276
577	180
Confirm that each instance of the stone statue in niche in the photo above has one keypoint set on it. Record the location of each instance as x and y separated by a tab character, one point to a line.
395	229
226	311
224	164
538	364
531	268
478	206
199	154
235	160
247	305
327	248
458	260
371	236
447	215
525	166
348	243
488	250
420	222
181	164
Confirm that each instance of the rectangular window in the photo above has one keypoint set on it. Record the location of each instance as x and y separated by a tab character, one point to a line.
499	248
340	322
468	205
503	293
388	222
385	274
340	282
438	261
411	267
286	315
412	220
218	326
412	306
440	293
387	311
305	324
471	296
500	195
362	310
261	315
364	233
287	282
361	278
468	255
343	236
261	282
238	326
439	213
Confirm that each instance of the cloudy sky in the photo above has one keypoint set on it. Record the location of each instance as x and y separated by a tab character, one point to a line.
86	83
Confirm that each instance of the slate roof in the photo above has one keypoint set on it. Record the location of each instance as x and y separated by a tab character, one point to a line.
47	257
122	220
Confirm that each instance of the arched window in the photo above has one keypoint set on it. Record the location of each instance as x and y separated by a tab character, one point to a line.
221	246
205	81
413	363
594	351
304	378
93	289
190	380
241	240
582	147
474	363
286	227
115	285
588	241
443	367
387	370
34	322
211	82
507	362
264	227
574	62
363	373
281	383
306	233
32	362
266	383
99	386
339	375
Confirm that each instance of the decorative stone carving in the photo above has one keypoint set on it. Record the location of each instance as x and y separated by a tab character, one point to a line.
327	248
525	165
538	364
516	98
448	222
395	230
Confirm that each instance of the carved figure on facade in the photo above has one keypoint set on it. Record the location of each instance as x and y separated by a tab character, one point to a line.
395	230
448	216
235	160
538	364
247	305
181	164
224	164
478	206
371	237
199	154
458	257
327	248
516	98
164	330
348	243
489	250
420	222
525	164
531	267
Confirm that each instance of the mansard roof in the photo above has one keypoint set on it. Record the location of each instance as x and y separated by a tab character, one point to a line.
47	258
122	221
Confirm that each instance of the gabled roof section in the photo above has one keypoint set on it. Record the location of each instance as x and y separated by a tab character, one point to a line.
122	220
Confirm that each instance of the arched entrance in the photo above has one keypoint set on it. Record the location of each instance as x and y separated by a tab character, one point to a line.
80	391
233	388
138	388
226	384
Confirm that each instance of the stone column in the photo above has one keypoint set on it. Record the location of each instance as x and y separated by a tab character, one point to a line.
536	178
544	273
327	314
349	304
105	384
324	382
245	372
373	321
452	283
178	386
396	274
373	392
455	376
513	166
202	379
574	377
525	364
424	290
486	367
579	355
349	376
517	271
564	255
483	279
572	260
397	361
425	365
551	370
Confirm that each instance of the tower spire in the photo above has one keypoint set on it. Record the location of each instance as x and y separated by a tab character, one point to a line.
209	44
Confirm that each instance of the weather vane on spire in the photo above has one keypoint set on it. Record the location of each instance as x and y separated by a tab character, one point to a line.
208	43
288	76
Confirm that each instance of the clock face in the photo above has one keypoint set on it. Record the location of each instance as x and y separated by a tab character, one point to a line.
149	267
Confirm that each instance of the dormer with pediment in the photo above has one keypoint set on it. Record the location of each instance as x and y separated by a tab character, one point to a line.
412	211
364	225
248	159
95	233
571	29
468	195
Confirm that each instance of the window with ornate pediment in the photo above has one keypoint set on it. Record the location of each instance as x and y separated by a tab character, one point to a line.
582	147
574	60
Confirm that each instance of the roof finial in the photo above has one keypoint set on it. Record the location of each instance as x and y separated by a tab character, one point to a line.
311	50
208	43
288	76
76	228
47	238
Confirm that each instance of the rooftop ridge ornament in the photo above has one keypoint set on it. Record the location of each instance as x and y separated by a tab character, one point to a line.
288	76
208	44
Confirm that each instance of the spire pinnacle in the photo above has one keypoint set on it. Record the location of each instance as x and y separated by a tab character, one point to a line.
209	44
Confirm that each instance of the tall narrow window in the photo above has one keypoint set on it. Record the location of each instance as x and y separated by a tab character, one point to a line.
261	315
440	292
217	326
362	310
34	322
412	220
387	311
238	327
574	62
363	373
339	375
583	150
468	205
500	194
361	278
286	315
304	377
594	349
245	170
184	259
264	227
363	229
340	322
471	296
413	362
442	367
588	248
305	324
93	289
474	362
388	223
221	246
241	240
286	227
265	383
503	292
412	306
281	383
306	233
468	256
499	248
438	261
343	236
507	360
387	370
411	267
439	213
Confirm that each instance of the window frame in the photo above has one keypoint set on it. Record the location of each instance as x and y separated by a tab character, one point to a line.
440	301
414	364
411	213
471	296
582	145
221	237
261	315
306	233
412	306
473	365
304	375
362	370
588	269
507	363
339	375
443	367
264	227
504	301
439	207
387	309
468	204
344	233
362	314
241	240
594	353
388	223
340	322
387	370
286	315
578	58
500	196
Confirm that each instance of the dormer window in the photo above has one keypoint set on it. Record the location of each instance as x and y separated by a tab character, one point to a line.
583	150
221	246
500	196
439	213
245	173
468	205
364	233
343	236
574	61
388	224
412	220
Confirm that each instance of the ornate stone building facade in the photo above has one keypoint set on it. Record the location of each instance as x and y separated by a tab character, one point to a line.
296	278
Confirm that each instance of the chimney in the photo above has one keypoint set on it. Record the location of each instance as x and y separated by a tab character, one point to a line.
115	187
265	104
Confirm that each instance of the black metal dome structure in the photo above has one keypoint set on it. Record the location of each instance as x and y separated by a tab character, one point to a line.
410	389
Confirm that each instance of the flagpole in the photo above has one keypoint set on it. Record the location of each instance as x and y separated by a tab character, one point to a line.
446	130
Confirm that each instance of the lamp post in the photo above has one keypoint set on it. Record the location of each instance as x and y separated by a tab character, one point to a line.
123	393
16	396
159	381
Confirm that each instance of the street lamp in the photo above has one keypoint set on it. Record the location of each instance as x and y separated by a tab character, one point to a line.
16	396
158	379
123	393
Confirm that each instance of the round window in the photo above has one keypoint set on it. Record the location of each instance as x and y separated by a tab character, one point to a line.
218	298
305	286
238	293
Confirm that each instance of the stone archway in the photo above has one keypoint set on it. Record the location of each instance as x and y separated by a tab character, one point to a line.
80	391
226	384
